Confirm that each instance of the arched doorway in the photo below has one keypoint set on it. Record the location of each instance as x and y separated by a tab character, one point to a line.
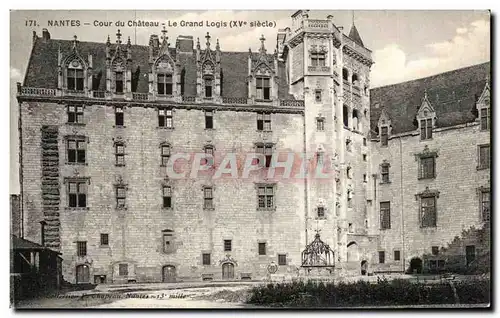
82	274
364	267
416	265
352	252
228	271
168	274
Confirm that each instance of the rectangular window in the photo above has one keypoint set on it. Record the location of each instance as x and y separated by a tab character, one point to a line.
76	148
206	258
318	59
104	239
397	255
165	155
263	88
484	157
119	120
317	96
209	119
485	118
119	82
167	197
321	212
385	215
208	202
266	197
385	173
384	135
364	141
425	129
228	245
364	178
381	257
485	205
77	194
75	80
262	248
267	151
123	269
81	248
165	84
75	114
435	250
208	87
428	210
470	254
165	118
120	154
320	124
264	121
168	243
364	157
120	197
427	167
281	259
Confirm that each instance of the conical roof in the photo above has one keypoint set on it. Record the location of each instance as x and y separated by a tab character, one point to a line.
354	35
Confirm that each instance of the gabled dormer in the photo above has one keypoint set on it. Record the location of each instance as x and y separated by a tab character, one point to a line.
74	72
165	72
262	75
119	68
208	71
483	107
384	128
426	118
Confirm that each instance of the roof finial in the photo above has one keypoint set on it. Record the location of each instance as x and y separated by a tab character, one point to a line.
352	17
118	37
317	230
262	46
217	46
198	43
164	36
74	41
108	41
208	40
425	93
128	41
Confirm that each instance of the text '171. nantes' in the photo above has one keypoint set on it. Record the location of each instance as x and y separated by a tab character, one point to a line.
222	24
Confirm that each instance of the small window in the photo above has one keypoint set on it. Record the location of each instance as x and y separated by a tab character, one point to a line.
384	136
168	241
385	215
321	212
104	239
317	96
228	245
209	119
428	211
165	118
397	255
262	248
350	228
426	129
266	197
485	118
119	82
345	75
427	167
77	194
119	154
206	258
165	155
485	205
119	120
364	141
364	178
208	200
319	157
318	59
364	157
123	269
348	145
381	257
320	124
435	250
120	197
281	259
267	151
208	87
263	88
81	248
264	121
345	116
470	254
75	79
76	149
209	161
165	86
75	114
385	173
349	172
484	157
167	197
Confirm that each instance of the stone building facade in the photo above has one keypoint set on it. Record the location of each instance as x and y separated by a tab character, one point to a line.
102	123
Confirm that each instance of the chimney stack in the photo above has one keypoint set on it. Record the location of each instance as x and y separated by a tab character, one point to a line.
45	34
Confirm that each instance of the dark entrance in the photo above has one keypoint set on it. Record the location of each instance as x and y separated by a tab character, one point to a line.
415	266
168	273
82	274
364	267
99	279
227	271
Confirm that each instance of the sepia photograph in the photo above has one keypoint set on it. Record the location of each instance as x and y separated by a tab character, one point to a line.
250	159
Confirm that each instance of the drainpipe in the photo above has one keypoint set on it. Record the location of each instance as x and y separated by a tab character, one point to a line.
402	205
306	176
42	231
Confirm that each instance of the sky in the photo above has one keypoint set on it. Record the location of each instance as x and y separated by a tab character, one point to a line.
405	45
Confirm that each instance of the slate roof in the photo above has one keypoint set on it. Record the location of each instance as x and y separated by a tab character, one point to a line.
354	35
452	95
42	67
22	244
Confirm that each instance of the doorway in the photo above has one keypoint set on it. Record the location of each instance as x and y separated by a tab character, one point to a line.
82	274
364	267
227	271
168	274
416	265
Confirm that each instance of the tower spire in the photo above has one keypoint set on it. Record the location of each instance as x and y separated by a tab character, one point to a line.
118	37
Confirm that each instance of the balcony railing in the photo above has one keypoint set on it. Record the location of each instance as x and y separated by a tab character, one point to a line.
33	91
234	100
140	96
189	99
292	103
99	94
319	69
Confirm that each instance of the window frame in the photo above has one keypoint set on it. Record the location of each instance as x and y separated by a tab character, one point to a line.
81	248
482	193
166	83
322	214
76	155
384	136
381	257
282	260
167	201
79	195
261	90
483	163
485	119
385	173
119	78
266	197
104	239
209	93
425	128
264	121
228	245
168	236
119	162
262	248
318	96
78	81
209	119
119	116
208	198
165	155
121	194
75	114
206	259
165	118
422	172
398	258
423	222
267	151
320	124
122	269
385	215
318	59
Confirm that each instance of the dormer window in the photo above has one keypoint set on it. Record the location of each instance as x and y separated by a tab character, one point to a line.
485	117
384	136
75	77
119	82
318	59
425	129
208	87
165	86
263	88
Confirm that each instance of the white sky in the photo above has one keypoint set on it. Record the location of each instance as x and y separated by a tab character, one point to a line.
405	44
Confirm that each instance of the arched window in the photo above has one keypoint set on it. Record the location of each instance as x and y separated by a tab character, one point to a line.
355	120
345	115
75	76
345	74
355	79
168	241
